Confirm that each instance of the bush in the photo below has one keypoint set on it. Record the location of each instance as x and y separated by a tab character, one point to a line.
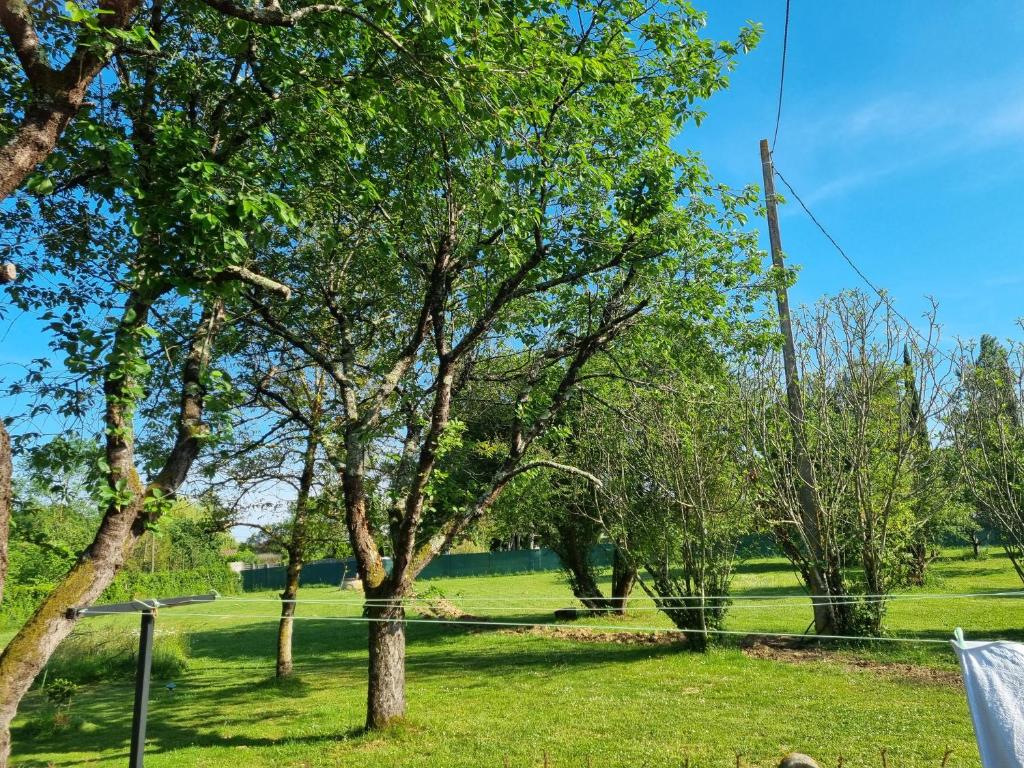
60	691
56	717
91	656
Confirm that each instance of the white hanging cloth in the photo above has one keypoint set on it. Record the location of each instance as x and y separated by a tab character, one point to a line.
993	675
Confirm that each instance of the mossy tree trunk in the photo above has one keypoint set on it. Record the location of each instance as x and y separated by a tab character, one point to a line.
132	506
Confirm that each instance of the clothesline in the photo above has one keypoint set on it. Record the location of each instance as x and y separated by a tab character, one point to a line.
419	604
736	600
617	628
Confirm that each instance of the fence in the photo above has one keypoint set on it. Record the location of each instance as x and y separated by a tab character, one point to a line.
443	566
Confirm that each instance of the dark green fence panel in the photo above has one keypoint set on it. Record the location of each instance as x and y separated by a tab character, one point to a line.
444	566
317	572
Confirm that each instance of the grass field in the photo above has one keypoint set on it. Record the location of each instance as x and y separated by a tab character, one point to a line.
481	697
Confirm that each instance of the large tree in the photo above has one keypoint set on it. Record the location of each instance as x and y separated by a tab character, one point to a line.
866	406
515	230
137	241
61	71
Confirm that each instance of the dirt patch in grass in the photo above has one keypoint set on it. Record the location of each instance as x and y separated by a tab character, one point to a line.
443	609
792	652
586	635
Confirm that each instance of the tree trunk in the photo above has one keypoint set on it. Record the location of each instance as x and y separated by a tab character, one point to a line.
572	545
824	611
30	649
124	521
623	581
296	551
385	693
385	696
976	545
286	626
815	580
918	552
583	583
5	502
698	639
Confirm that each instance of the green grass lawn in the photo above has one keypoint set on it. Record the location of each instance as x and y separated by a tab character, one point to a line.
481	697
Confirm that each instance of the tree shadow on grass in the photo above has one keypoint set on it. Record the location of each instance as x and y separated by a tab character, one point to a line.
230	694
105	722
167	737
237	700
429	646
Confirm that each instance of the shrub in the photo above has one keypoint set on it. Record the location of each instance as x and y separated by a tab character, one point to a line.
56	717
60	691
130	584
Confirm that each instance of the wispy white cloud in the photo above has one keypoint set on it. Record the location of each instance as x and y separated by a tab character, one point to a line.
1005	123
855	145
1003	281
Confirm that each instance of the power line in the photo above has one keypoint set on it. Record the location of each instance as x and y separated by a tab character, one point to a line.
782	76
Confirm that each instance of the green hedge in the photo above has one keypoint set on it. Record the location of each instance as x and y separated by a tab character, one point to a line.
21	600
132	584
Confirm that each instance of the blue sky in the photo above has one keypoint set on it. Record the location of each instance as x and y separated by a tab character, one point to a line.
903	130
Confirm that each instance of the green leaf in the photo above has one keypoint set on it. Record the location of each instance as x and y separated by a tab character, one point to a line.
39	185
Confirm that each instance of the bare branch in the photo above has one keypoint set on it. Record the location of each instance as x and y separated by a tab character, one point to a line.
254	279
539	463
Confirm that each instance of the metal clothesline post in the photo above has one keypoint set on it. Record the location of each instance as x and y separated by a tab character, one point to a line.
142	676
144	668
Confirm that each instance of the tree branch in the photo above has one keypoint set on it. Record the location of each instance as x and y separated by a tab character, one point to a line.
191	429
539	463
16	19
272	15
254	279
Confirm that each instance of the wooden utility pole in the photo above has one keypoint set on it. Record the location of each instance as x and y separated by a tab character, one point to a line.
793	396
814	566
